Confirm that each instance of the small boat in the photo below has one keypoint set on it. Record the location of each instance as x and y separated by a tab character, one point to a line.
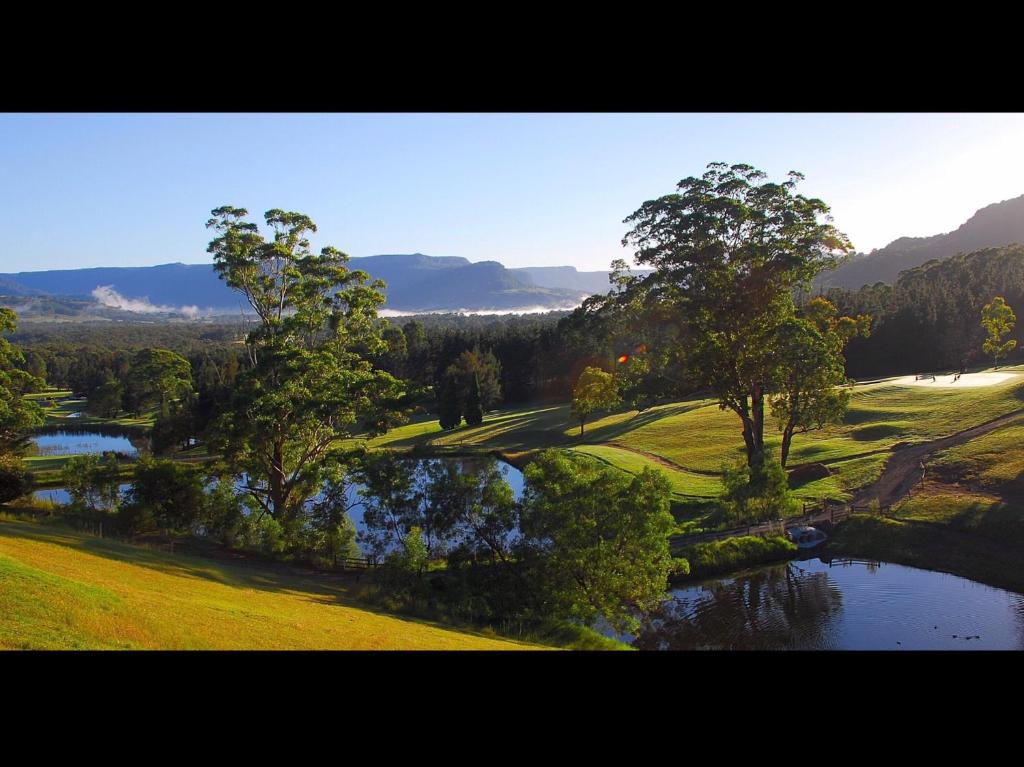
806	537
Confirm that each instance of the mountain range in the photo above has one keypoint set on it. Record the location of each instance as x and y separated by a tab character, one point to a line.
1001	223
421	283
415	283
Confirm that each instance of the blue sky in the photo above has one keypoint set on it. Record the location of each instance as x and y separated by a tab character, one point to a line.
523	189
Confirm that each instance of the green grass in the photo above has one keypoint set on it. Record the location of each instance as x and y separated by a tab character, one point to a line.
932	546
691	441
64	590
731	554
993	462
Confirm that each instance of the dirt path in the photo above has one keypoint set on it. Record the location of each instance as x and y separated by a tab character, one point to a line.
906	467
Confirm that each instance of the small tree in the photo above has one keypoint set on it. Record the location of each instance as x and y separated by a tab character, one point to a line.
105	400
15	481
169	492
597	538
487	370
473	412
810	384
157	376
757	494
998	320
595	390
448	404
92	482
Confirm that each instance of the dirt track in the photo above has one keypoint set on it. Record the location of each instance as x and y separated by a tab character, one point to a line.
906	467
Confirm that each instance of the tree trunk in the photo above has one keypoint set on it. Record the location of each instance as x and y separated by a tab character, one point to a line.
277	481
787	438
581	428
755	456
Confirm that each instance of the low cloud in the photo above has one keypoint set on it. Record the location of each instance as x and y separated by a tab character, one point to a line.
107	296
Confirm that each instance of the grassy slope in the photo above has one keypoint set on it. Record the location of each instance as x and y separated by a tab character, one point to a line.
63	590
692	440
967	518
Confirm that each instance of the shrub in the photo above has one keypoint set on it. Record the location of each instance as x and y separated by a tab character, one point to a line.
15	480
167	493
757	495
732	554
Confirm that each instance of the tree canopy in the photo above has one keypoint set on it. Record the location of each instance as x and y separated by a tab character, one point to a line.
598	537
998	320
17	414
595	390
729	251
309	381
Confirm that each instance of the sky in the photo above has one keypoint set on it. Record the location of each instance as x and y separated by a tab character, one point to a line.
85	190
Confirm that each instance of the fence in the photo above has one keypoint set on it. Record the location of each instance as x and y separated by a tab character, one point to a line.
833	514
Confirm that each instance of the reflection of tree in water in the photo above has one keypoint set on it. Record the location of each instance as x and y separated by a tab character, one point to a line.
1018	611
776	608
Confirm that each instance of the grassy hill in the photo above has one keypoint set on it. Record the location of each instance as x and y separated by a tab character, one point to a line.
64	590
691	441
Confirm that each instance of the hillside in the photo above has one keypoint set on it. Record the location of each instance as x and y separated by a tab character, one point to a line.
1001	223
692	440
64	590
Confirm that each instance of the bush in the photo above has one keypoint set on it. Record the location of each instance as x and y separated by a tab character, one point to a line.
165	493
757	495
15	480
733	554
92	482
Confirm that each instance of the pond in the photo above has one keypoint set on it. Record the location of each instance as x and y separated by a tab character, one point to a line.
835	604
61	497
464	465
65	441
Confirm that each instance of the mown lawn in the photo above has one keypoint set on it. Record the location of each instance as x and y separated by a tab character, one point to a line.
64	590
695	438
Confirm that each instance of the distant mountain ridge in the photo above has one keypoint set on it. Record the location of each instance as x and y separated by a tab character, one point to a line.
415	282
995	225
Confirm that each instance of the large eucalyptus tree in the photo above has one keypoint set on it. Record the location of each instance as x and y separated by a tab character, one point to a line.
309	383
729	251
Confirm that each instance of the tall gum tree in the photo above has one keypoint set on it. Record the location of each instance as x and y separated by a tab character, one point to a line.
729	250
309	383
17	414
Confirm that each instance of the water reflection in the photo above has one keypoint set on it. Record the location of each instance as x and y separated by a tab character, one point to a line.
844	605
773	609
70	441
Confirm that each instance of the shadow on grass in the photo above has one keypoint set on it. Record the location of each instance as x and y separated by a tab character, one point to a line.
233	569
876	432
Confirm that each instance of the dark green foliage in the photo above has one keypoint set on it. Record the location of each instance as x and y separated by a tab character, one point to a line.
156	377
928	320
309	381
106	399
166	493
757	494
729	249
92	482
472	409
449	405
731	554
17	414
597	540
15	481
174	430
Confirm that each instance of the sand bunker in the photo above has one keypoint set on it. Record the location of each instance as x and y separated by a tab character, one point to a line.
967	380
